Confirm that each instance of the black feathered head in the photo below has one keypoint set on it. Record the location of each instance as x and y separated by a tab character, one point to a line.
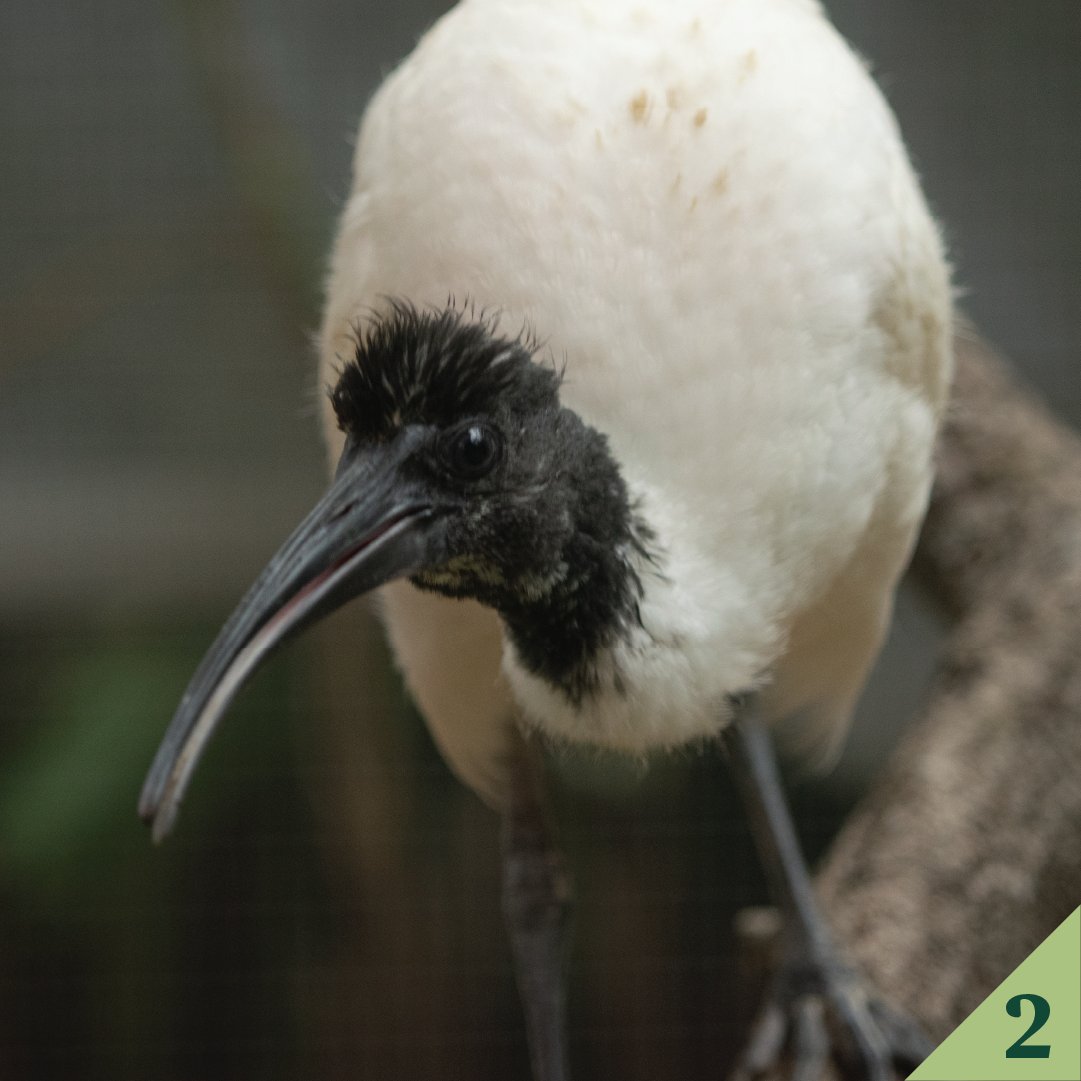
435	367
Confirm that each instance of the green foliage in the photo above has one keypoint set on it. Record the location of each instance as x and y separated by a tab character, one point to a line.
69	786
74	783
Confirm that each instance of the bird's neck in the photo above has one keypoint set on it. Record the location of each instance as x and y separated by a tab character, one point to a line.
560	633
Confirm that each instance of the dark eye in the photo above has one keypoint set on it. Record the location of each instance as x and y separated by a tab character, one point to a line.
473	451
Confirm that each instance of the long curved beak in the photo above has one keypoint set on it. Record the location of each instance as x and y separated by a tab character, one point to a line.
373	524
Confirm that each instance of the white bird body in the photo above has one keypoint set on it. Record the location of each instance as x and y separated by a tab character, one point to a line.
706	212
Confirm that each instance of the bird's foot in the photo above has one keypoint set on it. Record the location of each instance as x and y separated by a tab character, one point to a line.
817	1012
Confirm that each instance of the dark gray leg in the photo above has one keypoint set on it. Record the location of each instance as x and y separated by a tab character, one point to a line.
817	1007
537	908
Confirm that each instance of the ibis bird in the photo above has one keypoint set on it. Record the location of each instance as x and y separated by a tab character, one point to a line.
650	475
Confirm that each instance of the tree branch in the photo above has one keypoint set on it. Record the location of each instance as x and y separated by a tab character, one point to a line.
969	852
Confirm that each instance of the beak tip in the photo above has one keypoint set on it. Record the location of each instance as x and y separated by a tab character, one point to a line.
149	801
160	828
158	813
159	821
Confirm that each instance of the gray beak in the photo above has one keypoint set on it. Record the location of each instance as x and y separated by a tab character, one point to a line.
374	524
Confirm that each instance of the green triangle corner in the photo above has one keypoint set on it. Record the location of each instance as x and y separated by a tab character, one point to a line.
979	1049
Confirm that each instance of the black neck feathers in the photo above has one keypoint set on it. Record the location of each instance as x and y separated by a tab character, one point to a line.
562	636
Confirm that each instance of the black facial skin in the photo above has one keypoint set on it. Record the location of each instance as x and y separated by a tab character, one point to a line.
538	522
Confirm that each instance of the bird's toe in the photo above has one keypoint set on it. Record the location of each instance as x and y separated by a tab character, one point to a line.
810	1041
765	1044
802	1029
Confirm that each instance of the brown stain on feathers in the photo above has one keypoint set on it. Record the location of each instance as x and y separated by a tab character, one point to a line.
640	107
748	65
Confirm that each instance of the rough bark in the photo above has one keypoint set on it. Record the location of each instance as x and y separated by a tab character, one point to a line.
969	852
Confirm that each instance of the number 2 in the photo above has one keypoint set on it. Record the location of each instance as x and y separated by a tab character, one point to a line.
1041	1011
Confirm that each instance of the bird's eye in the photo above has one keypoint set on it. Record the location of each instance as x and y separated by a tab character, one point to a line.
473	451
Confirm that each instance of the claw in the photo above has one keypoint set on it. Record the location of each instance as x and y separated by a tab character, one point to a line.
818	1013
909	1042
764	1046
862	1048
810	1042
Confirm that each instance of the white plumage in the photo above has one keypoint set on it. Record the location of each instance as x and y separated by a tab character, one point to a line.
707	213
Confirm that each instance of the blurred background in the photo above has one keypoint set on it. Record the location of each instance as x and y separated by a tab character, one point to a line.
328	908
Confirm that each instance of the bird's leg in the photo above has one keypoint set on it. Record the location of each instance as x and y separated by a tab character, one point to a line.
537	908
817	1008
